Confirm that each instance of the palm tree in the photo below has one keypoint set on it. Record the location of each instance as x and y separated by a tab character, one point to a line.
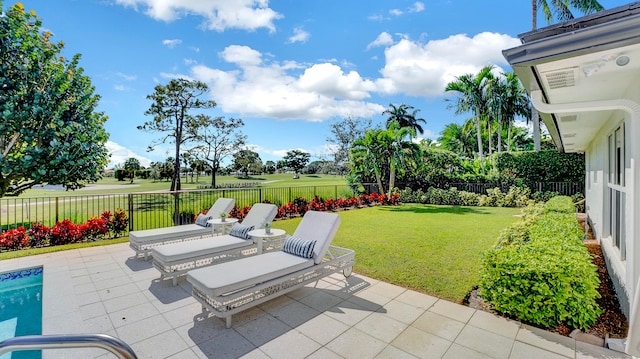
559	8
455	138
397	152
405	116
506	100
472	97
365	155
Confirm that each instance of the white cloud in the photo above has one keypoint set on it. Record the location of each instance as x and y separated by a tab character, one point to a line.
171	43
299	35
425	69
218	15
286	90
126	77
384	39
395	12
376	17
122	88
417	7
120	154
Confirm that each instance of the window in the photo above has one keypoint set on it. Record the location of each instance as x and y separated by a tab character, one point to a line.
615	225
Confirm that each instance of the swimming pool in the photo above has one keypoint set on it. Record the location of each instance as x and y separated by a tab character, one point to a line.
21	308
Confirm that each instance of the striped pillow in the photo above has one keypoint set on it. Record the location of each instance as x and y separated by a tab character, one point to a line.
241	231
202	219
298	246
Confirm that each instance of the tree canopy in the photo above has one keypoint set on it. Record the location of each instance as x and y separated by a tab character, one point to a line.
50	131
296	160
170	111
247	161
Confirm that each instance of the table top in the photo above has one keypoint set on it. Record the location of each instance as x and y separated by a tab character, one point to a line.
219	221
260	233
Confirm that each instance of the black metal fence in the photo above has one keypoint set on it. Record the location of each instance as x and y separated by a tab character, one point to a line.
150	209
157	209
562	188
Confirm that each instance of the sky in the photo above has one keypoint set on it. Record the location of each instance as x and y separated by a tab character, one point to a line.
287	68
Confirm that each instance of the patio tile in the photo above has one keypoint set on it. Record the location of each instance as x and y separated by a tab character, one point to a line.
294	313
391	352
485	342
229	344
523	350
348	313
324	353
111	282
405	313
546	340
369	300
92	310
143	329
84	288
160	346
88	298
110	293
320	300
255	354
99	324
495	324
452	310
291	344
421	344
262	329
439	325
132	314
126	301
323	328
382	327
416	299
457	351
356	344
185	354
201	330
385	289
183	315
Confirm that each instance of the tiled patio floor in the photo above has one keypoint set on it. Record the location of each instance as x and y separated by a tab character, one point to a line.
105	290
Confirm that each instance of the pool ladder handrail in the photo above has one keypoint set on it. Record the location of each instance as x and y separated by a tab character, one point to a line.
38	342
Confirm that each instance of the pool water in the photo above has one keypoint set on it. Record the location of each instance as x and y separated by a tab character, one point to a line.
21	308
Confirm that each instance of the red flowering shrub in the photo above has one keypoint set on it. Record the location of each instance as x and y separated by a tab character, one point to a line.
239	213
120	222
94	228
38	235
14	239
65	232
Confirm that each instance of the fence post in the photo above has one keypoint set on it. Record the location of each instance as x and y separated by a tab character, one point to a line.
335	192
57	208
130	210
260	194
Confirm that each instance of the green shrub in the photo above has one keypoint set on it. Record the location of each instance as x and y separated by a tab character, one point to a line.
468	198
544	279
560	204
544	196
517	197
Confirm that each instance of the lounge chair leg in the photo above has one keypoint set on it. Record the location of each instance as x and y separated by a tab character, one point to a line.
228	318
347	272
175	280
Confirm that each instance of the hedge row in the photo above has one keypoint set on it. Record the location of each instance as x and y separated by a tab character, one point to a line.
540	272
515	197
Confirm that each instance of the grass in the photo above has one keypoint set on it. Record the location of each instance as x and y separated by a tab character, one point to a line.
432	249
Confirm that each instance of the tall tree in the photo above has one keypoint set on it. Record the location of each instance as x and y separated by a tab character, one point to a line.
131	165
344	132
458	139
515	103
170	111
50	131
296	160
219	139
560	10
406	117
247	161
366	157
472	97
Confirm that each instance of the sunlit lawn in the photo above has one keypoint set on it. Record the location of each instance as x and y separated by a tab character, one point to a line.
432	249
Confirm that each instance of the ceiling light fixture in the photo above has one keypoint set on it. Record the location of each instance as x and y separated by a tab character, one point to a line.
622	60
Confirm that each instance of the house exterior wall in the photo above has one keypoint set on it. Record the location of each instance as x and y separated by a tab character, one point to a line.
623	269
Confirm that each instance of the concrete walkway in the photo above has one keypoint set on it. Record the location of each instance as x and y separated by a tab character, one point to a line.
104	290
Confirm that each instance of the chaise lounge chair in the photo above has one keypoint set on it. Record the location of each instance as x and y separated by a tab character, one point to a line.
174	260
228	288
142	241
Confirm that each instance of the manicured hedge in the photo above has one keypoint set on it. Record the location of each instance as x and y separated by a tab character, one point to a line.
541	166
560	204
541	272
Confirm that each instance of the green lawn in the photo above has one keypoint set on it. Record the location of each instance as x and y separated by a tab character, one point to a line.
432	249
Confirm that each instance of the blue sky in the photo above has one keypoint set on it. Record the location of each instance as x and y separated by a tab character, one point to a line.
287	68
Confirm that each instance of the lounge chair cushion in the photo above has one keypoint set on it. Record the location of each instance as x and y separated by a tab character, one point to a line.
202	219
190	249
298	246
235	275
166	233
320	227
241	231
